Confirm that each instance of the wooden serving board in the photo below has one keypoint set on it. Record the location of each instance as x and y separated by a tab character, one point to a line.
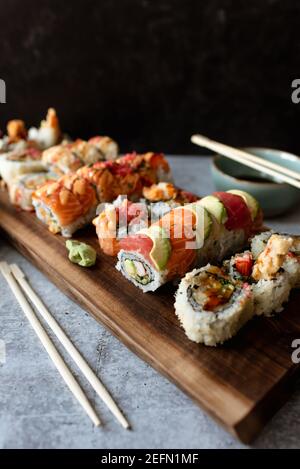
240	384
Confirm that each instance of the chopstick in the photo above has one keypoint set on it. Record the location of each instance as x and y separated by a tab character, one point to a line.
48	344
255	162
71	349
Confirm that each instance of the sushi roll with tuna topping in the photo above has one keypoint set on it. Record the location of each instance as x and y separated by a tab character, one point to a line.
167	249
65	205
212	306
23	186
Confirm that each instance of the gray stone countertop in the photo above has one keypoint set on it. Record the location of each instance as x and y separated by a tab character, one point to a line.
38	411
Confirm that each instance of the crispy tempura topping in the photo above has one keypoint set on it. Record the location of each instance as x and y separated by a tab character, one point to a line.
272	257
16	130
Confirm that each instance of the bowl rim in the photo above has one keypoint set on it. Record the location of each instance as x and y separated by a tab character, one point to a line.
216	156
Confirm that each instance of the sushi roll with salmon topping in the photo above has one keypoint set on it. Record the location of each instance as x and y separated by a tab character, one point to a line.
167	249
65	205
23	186
225	227
123	217
212	306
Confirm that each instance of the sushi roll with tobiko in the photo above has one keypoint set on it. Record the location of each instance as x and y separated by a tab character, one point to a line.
19	162
227	222
127	175
212	306
65	205
122	217
22	187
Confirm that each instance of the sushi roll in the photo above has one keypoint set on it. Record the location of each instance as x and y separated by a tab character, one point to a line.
274	251
17	162
23	186
107	146
167	249
49	133
212	306
127	175
65	205
122	217
269	282
225	226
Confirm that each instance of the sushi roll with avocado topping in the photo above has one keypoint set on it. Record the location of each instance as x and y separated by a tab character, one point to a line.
167	249
212	306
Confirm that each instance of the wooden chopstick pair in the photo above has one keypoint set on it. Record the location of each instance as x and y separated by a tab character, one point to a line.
255	162
16	279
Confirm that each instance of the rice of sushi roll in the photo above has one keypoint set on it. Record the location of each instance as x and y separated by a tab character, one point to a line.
17	162
23	186
212	306
65	205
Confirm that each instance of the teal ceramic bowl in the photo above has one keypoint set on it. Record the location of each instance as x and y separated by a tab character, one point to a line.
275	198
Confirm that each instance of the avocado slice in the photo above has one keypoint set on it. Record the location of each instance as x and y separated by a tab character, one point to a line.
206	219
130	267
250	201
215	207
161	248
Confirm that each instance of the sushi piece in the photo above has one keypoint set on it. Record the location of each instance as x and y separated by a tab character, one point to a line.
269	283
23	186
274	251
167	249
212	306
70	156
118	219
127	175
65	205
123	217
224	227
15	163
108	147
49	133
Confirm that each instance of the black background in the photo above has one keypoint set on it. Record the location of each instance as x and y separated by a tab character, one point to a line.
150	73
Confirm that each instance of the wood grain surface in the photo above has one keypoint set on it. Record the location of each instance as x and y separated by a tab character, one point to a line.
240	384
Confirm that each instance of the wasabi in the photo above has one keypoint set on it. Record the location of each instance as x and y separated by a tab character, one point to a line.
81	253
